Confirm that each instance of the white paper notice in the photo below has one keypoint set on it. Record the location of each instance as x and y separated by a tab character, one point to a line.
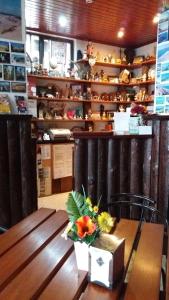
121	121
46	152
62	160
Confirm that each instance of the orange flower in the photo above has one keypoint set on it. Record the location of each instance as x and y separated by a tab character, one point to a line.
85	226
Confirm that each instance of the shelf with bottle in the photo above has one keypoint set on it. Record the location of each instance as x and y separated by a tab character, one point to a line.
151	61
96	82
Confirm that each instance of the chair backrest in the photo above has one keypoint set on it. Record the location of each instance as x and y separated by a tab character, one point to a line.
133	212
136	211
134	198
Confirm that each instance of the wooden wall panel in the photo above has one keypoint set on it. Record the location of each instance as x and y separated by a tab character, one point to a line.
5	212
162	205
112	168
18	190
92	170
102	172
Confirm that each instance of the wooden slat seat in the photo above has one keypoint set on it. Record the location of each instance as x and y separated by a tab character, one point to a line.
16	258
17	232
68	273
37	274
144	280
127	229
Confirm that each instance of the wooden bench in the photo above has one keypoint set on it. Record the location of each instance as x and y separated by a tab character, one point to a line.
37	263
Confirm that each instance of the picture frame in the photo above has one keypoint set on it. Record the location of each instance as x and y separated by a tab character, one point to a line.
1	72
18	87
4	58
12	20
4	86
4	46
18	58
18	47
8	72
20	73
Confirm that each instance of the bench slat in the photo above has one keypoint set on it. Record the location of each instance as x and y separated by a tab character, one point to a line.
13	261
144	280
75	280
23	228
32	280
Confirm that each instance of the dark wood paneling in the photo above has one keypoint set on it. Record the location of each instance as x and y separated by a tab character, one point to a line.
14	170
164	167
112	168
147	147
5	212
92	170
155	160
101	173
79	165
18	190
136	166
99	21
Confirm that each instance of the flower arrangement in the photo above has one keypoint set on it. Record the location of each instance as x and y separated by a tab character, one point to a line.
138	109
86	223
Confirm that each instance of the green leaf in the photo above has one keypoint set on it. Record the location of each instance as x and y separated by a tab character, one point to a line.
76	206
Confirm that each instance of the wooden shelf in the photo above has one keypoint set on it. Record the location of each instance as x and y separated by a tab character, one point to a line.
131	66
89	81
84	100
65	120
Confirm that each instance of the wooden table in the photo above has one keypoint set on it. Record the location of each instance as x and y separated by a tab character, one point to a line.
37	263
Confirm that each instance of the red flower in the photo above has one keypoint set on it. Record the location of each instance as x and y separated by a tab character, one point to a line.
85	226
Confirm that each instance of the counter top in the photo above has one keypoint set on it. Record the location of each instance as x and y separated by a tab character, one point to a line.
108	134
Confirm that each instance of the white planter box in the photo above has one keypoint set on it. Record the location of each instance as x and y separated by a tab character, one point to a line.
82	256
106	266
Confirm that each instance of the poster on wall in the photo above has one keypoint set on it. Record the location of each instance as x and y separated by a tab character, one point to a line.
161	105
11	20
13	91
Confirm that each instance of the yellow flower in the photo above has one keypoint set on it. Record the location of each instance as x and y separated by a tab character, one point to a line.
95	209
105	222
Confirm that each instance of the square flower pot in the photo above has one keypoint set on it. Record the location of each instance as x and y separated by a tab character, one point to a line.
106	260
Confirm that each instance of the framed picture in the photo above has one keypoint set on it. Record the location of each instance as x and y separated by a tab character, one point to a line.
4	46
4	58
164	66
20	74
17	58
163	52
8	72
76	90
18	87
160	100
11	20
1	72
4	86
17	47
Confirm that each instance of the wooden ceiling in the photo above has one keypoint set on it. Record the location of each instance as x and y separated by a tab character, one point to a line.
98	21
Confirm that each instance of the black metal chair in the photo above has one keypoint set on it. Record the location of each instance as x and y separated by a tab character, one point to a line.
144	213
131	211
3	230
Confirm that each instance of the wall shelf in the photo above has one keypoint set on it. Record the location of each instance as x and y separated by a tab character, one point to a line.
89	81
39	99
